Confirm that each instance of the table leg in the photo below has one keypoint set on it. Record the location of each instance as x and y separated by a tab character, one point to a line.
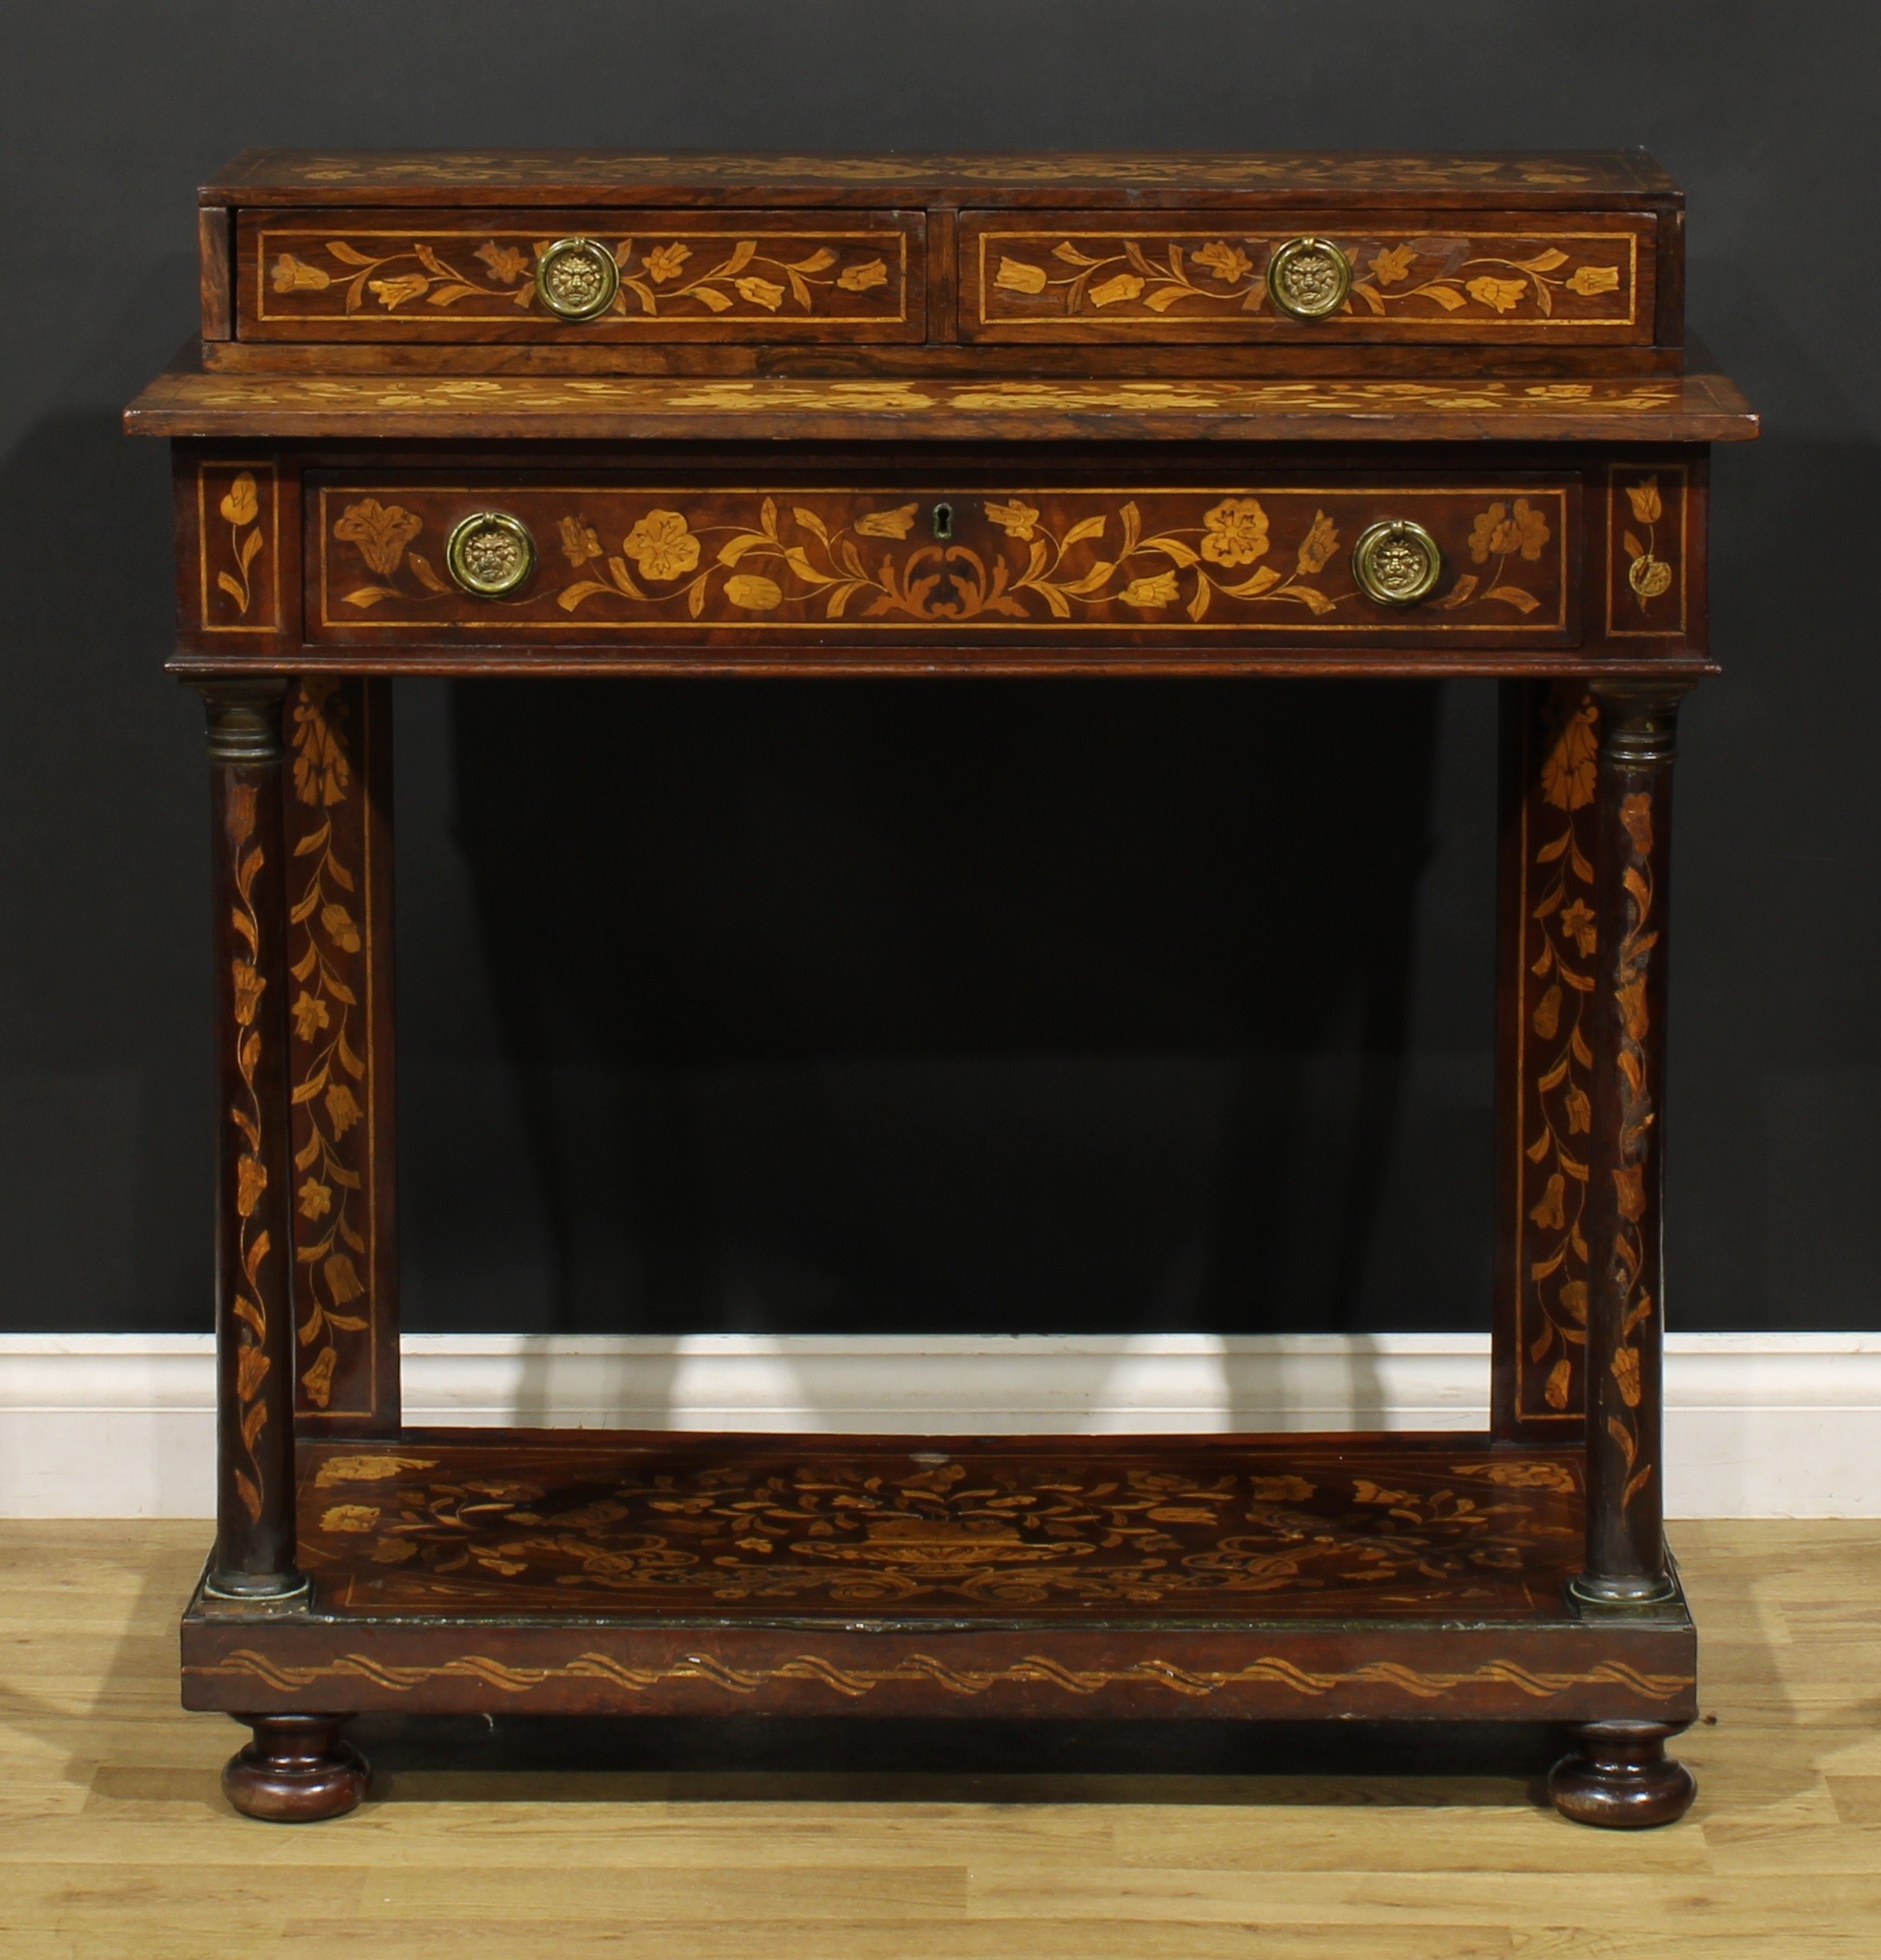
255	1498
1626	1563
298	1770
1619	1777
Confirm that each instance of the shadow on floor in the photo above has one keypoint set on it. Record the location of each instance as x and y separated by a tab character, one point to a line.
698	1759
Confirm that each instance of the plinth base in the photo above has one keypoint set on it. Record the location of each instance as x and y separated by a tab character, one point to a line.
1374	1577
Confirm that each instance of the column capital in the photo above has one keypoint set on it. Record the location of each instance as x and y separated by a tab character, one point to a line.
244	717
1639	718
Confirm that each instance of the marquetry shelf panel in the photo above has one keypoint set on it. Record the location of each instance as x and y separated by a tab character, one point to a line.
669	1573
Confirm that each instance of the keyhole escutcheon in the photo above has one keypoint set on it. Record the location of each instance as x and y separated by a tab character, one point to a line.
944	520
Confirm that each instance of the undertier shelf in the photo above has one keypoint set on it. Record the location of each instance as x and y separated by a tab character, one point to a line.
719	1526
607	1571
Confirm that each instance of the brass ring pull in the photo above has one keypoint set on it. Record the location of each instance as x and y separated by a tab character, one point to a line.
1309	278
1397	562
489	554
577	278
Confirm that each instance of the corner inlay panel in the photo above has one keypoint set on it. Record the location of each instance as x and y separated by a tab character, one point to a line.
345	1273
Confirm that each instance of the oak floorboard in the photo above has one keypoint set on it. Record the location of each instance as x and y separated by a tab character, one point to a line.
829	1841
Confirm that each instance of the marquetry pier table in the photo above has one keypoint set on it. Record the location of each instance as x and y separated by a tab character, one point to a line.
608	415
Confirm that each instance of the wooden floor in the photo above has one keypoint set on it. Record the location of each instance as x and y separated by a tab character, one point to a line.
899	1841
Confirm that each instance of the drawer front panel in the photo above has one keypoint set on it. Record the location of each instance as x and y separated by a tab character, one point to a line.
443	276
673	562
1571	282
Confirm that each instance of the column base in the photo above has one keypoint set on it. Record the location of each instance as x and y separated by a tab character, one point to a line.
298	1770
240	1596
1622	1595
1619	1778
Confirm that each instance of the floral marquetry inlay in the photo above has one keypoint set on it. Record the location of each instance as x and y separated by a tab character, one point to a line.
1275	560
350	270
1479	282
1647	551
331	1042
813	1530
1631	1260
1559	950
237	546
254	1248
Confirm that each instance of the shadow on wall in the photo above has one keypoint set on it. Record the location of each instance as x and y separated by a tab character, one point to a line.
1048	1006
873	1384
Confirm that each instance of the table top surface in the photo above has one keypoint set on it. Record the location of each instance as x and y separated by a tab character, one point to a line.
1631	409
1521	178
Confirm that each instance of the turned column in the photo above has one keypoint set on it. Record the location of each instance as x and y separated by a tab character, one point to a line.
254	1238
1626	1563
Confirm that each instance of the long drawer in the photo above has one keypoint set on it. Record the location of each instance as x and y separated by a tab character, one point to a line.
415	558
574	277
1577	280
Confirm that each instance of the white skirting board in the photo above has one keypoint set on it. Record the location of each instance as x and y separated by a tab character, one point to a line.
1758	1425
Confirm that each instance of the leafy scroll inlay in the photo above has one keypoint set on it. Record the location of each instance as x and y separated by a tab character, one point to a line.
1095	277
1108	563
247	984
694	274
1560	943
1148	570
330	1092
853	1682
1633	1023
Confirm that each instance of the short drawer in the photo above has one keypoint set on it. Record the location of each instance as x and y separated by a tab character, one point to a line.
1451	277
442	276
1303	559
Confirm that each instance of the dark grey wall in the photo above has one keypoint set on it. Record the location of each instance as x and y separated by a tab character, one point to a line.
867	1101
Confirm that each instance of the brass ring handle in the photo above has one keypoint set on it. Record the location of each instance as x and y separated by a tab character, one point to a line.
1397	562
1309	278
577	278
489	554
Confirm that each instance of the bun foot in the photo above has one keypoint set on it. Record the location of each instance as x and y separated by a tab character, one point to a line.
297	1770
1619	1777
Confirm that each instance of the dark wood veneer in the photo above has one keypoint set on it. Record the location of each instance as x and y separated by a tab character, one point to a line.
1110	455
